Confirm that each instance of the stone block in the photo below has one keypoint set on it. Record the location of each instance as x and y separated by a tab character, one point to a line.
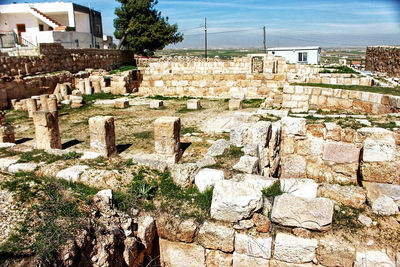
47	131
235	104
31	106
381	172
293	166
261	133
247	164
240	260
156	104
193	104
167	138
102	135
378	150
81	87
88	87
52	104
218	148
121	103
353	196
305	188
375	190
373	258
216	258
258	247
293	126
6	130
309	213
239	133
175	254
233	201
73	173
331	253
43	102
384	205
183	174
294	249
341	152
216	236
206	178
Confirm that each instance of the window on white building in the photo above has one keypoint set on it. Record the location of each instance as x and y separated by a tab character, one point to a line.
302	57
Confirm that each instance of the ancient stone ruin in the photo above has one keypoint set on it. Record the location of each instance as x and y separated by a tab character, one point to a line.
193	162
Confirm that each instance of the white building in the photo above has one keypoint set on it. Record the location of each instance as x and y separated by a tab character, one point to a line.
72	25
306	55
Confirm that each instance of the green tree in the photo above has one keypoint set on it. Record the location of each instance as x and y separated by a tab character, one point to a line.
141	28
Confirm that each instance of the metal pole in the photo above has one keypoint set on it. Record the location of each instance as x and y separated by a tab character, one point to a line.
205	37
265	40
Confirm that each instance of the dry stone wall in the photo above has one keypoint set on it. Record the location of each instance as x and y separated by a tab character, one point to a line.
303	98
384	59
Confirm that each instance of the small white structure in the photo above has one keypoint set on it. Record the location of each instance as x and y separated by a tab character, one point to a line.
306	55
72	25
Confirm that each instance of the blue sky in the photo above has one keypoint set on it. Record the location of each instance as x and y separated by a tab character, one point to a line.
238	23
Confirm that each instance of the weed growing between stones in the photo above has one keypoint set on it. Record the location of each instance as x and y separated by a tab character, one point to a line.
186	110
252	103
160	97
191	129
273	190
338	69
14	116
54	215
42	156
345	217
122	69
144	135
91	98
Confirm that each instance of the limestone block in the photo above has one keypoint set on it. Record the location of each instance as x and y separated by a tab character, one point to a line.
261	133
121	103
156	104
375	190
384	205
353	196
305	188
216	258
365	220
333	131
44	103
73	173
216	236
293	126
52	104
186	231
47	131
247	164
175	254
240	260
238	134
381	172
81	87
193	104
88	87
339	152
374	134
146	230
309	213
183	174
31	106
379	150
206	178
63	90
8	161
331	253
102	135
373	258
259	247
167	137
233	201
218	148
293	166
294	249
96	86
22	167
235	104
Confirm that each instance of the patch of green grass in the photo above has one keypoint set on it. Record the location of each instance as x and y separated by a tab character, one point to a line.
252	103
387	125
273	191
160	97
338	69
122	69
91	98
346	217
144	134
234	152
42	156
372	89
14	116
25	186
191	129
186	110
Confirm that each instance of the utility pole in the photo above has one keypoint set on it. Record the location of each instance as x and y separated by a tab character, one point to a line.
205	38
265	40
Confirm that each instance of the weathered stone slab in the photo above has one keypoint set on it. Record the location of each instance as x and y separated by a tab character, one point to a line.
216	236
102	135
193	104
206	178
261	133
259	247
293	126
373	258
167	138
216	258
331	253
218	148
384	205
156	104
313	214
73	173
379	150
375	190
7	161
293	166
305	188
121	103
47	131
233	201
240	260
247	164
239	134
381	172
341	152
22	167
183	174
235	104
294	249
353	196
175	254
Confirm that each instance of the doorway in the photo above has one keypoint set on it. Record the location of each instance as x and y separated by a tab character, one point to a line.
20	29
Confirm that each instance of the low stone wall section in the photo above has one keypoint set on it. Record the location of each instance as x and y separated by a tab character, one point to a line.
384	59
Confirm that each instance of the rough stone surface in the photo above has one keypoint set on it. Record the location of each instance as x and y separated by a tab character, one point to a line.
216	258
240	260
306	188
233	201
218	148
121	103
341	152
331	253
146	230
379	150
259	247
381	172
365	220
206	178
47	132
7	161
353	196
181	254
102	135
261	222
247	164
375	190
238	134
235	104
261	133
183	174
206	161
216	236
22	167
186	231
72	173
156	104
193	104
293	166
293	126
313	214
167	138
384	205
294	249
373	258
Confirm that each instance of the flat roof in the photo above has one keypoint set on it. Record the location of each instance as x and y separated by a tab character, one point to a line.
294	48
